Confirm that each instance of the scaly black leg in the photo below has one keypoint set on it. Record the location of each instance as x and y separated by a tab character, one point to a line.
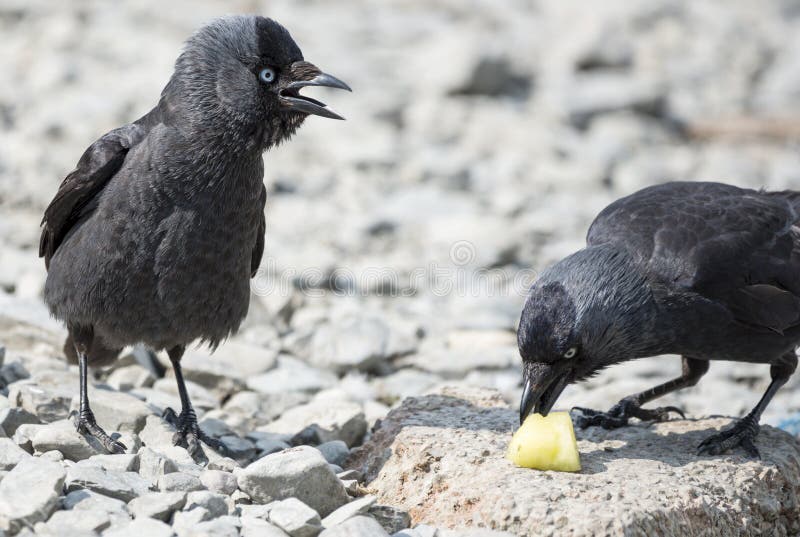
188	431
744	432
631	406
85	421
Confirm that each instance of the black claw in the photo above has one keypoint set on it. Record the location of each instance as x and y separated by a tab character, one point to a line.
742	434
188	432
86	424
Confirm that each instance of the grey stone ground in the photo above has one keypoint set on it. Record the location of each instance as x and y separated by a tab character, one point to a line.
481	139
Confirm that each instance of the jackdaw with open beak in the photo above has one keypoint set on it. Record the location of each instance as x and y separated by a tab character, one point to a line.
154	236
704	270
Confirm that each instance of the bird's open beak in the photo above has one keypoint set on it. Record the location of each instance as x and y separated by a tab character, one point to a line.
306	74
543	385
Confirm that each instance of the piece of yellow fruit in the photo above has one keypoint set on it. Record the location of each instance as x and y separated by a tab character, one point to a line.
546	443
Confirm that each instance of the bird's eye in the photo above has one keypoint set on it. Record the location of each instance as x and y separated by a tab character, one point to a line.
267	75
571	352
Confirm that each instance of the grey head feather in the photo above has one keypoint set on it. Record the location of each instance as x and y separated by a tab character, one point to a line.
607	309
214	93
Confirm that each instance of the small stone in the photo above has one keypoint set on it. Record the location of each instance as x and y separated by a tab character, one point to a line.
295	518
153	465
225	464
121	485
23	437
53	455
354	341
30	492
268	446
291	375
333	420
300	472
335	451
62	436
88	500
210	501
127	378
349	510
179	481
140	527
158	505
351	474
11	454
219	481
46	398
117	411
183	521
256	527
358	526
124	462
238	448
240	497
67	522
219	527
12	418
390	518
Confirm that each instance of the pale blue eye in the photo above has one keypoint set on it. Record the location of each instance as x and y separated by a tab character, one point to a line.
267	75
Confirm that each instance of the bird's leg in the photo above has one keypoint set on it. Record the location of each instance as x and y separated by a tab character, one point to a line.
188	431
85	421
631	406
744	432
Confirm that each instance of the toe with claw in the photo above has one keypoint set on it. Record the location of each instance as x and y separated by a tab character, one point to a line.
620	413
742	434
85	423
188	433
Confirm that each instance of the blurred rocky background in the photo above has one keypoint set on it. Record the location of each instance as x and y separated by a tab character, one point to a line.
482	138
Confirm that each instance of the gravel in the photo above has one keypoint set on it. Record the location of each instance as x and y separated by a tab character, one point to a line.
299	472
158	505
295	518
29	493
400	245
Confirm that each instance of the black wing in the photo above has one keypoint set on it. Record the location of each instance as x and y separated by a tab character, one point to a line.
96	167
736	246
258	249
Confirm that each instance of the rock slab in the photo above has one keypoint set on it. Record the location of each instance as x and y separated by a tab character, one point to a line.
442	458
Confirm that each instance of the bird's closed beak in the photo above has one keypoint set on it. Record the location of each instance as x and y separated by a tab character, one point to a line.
306	74
543	385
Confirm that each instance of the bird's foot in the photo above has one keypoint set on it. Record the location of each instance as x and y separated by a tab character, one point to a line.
743	434
189	434
619	414
86	424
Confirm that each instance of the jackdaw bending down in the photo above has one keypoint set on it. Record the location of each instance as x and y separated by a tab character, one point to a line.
704	270
154	236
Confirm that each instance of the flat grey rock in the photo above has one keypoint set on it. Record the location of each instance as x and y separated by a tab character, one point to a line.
256	527
120	485
334	451
157	505
437	450
139	528
62	436
11	454
88	500
29	493
357	526
116	411
295	518
12	418
68	522
219	481
179	481
356	507
333	419
212	502
300	472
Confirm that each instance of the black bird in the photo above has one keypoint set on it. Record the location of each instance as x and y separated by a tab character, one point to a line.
704	270
154	236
